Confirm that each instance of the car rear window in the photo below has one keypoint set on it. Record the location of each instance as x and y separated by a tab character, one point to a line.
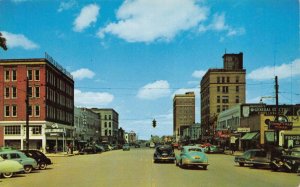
195	150
164	150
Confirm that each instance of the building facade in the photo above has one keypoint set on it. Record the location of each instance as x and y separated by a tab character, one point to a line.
50	92
220	90
87	126
183	113
192	133
109	120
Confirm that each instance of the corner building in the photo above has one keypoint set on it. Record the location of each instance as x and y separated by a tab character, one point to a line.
51	103
220	90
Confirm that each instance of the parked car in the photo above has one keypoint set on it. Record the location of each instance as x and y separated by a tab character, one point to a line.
214	149
164	153
27	162
9	167
42	160
191	156
152	145
126	147
254	157
292	160
137	145
92	149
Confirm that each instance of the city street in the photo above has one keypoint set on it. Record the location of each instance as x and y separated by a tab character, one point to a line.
136	168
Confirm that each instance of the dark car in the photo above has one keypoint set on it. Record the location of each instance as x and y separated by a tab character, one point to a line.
164	153
137	146
292	160
42	160
254	157
92	149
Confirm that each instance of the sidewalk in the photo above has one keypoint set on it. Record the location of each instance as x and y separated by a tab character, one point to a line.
62	154
236	153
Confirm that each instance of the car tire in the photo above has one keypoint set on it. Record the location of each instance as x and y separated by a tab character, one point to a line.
42	166
27	169
7	175
205	167
241	164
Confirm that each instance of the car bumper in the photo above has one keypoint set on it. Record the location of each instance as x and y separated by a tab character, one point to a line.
164	159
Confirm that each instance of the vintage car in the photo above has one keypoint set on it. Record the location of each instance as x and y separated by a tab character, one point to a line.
126	147
164	153
9	167
214	149
191	156
254	157
42	160
28	163
292	160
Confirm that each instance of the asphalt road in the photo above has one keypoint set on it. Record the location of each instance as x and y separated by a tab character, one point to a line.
136	168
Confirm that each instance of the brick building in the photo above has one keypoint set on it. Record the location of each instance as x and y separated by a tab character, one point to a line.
51	103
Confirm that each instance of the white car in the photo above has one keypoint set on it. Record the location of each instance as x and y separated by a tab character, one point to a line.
9	167
152	145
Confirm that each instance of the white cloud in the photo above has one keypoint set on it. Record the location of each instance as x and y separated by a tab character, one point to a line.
199	73
83	73
87	16
147	21
219	24
92	99
154	90
66	5
282	71
18	40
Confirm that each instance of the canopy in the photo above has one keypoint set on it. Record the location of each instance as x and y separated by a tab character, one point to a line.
250	136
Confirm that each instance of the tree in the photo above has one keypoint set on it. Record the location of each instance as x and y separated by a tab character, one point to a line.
3	42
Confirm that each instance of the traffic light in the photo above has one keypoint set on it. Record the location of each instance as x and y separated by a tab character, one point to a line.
154	123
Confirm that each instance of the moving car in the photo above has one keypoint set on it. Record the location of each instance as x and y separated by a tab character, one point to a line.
42	160
164	153
214	149
152	145
126	147
192	156
254	157
28	163
9	167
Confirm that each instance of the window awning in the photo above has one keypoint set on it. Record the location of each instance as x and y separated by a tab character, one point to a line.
250	136
269	136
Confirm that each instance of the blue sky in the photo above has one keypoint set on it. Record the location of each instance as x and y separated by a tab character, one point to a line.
134	55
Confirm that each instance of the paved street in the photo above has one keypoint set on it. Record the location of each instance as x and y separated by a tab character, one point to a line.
135	168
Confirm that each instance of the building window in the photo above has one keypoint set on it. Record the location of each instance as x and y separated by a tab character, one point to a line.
109	117
237	79
30	110
109	124
218	88
218	99
105	117
105	124
37	110
237	99
14	92
14	111
7	111
37	74
218	108
37	130
12	130
225	99
37	91
109	132
14	75
218	79
237	89
228	79
225	89
29	74
6	94
105	133
223	79
29	91
6	75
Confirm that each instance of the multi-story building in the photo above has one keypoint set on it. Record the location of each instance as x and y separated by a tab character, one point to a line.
183	113
192	133
87	126
50	109
220	90
132	137
109	120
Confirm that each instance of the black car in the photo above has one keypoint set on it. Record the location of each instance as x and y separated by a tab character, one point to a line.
137	145
164	153
254	157
292	160
42	160
92	149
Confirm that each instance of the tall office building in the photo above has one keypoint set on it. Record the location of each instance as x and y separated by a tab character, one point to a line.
221	89
183	113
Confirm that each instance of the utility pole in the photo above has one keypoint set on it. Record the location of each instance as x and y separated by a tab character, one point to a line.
277	111
27	114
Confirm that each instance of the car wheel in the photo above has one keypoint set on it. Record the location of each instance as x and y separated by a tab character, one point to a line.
241	164
27	169
42	165
180	164
205	167
7	175
176	163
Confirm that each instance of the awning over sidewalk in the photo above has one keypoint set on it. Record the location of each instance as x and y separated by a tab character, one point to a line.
250	136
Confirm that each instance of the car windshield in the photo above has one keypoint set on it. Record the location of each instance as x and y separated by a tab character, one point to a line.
194	150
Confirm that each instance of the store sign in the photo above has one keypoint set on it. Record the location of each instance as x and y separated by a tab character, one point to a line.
280	125
240	129
294	138
54	130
